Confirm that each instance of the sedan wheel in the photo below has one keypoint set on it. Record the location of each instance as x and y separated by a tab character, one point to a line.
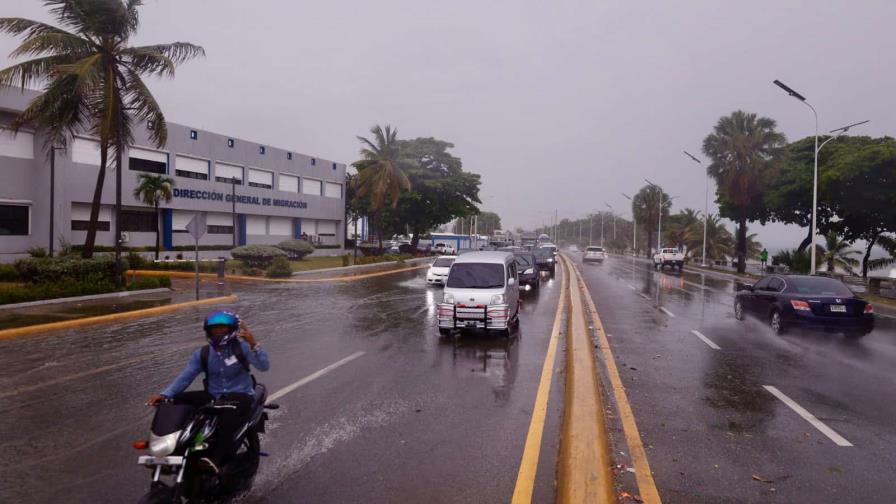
738	310
777	323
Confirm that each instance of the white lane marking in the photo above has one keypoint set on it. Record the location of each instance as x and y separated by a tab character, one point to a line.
706	340
643	295
667	312
313	376
809	417
885	316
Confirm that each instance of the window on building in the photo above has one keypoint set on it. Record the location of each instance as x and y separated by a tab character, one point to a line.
313	161
147	160
191	167
227	172
216	229
334	166
256	225
289	155
230	142
85	151
333	190
15	220
139	221
311	186
194	135
80	217
261	149
280	226
289	183
261	178
20	145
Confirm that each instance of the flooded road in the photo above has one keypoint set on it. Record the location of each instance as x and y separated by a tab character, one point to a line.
404	417
715	399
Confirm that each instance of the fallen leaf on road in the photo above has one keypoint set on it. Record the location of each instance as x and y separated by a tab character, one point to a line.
760	478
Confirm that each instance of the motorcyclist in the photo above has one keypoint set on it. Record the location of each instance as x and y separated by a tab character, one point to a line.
231	349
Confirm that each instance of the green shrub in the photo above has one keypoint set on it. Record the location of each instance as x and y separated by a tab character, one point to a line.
296	249
34	292
37	252
8	273
204	266
279	268
136	261
54	270
346	260
257	256
141	283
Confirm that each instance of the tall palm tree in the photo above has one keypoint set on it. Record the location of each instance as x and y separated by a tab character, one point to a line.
888	243
836	252
381	177
754	246
646	209
719	242
685	228
152	190
741	148
93	80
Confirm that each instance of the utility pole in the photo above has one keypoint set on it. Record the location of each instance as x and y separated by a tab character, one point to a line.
233	208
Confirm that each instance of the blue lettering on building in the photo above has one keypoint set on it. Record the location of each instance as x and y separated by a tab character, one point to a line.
240	198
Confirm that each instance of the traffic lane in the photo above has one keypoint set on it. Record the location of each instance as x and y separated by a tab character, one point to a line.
86	387
713	410
421	419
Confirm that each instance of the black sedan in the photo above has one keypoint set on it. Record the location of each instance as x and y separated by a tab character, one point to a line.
800	301
544	259
526	268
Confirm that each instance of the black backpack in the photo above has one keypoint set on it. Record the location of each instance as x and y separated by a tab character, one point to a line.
236	349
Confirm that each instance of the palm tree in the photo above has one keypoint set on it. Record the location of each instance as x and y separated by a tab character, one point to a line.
646	209
888	243
754	246
685	228
836	252
93	81
380	173
719	242
741	147
152	190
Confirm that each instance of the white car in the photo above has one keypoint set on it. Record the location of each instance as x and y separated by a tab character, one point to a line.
482	292
594	254
668	257
438	271
444	249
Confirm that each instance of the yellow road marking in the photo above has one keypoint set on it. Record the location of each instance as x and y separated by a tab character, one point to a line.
584	465
244	278
525	479
68	324
643	476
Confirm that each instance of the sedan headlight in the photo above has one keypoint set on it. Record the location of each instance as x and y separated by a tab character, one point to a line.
498	299
449	298
529	271
550	259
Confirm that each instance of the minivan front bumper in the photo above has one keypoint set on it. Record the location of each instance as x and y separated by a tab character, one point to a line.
462	316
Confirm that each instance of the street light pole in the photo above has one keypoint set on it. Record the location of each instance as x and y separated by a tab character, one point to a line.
634	226
590	229
705	207
659	232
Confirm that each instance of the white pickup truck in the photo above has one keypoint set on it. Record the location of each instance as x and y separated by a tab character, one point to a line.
668	257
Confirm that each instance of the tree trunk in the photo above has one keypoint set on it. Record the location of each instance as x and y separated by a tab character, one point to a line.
741	249
806	241
415	240
868	255
157	231
90	240
379	232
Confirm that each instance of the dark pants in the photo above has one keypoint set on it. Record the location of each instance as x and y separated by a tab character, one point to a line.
229	420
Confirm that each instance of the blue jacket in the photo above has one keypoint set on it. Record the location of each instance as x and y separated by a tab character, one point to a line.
225	373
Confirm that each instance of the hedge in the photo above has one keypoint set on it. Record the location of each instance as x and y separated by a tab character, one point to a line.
177	248
54	270
257	256
141	283
23	293
296	249
279	268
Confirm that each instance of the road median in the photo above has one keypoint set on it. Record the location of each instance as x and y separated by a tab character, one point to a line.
112	317
246	278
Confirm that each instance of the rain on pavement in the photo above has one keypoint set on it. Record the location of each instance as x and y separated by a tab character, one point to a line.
412	417
712	432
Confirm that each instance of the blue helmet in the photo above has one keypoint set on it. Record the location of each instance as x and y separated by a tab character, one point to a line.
221	318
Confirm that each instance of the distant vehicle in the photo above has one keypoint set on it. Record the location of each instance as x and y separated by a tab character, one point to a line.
543	238
553	248
528	239
438	270
481	293
444	249
668	257
526	269
424	248
800	301
396	246
594	254
544	259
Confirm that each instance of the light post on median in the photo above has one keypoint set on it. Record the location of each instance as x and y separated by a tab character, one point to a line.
634	226
705	207
613	213
842	130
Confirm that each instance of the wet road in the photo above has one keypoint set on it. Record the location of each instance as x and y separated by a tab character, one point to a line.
705	416
399	415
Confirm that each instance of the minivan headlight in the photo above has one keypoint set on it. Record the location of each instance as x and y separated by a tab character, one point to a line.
449	298
498	299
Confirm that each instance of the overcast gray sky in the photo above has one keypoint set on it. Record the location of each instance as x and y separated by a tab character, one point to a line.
556	104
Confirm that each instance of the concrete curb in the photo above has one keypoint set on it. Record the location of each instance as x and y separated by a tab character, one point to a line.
75	299
583	474
146	312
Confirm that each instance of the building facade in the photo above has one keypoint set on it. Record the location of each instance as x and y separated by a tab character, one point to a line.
251	193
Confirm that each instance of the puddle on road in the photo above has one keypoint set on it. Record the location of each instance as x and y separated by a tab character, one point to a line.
56	313
733	389
492	357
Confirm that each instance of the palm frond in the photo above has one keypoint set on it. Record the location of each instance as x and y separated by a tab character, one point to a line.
55	43
28	73
144	107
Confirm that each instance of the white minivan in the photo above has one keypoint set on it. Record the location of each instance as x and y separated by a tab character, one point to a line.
482	292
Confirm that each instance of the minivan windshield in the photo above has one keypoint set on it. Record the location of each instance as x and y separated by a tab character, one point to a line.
476	276
817	286
443	262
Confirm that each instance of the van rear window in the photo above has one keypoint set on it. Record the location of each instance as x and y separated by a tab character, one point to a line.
476	276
